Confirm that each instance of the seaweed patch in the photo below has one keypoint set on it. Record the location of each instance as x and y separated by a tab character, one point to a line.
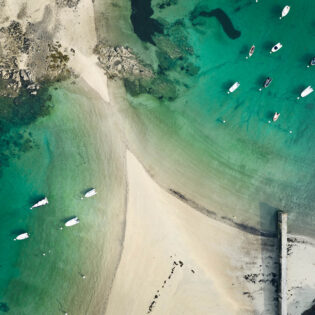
222	18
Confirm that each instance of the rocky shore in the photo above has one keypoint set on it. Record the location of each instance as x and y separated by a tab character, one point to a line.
27	59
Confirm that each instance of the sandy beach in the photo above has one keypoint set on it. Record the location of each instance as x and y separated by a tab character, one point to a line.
178	261
158	251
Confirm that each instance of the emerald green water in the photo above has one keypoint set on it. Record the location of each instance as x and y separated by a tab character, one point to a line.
246	168
243	169
70	154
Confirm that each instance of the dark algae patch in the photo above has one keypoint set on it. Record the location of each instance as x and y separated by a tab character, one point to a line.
15	115
4	307
221	16
143	25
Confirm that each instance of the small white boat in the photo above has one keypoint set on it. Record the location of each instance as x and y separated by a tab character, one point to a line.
22	236
276	116
266	83
90	193
285	11
276	48
233	87
306	91
311	63
251	52
40	203
72	222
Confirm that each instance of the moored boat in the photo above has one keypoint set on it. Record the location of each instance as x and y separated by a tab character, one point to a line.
22	236
233	87
312	62
266	83
276	116
276	48
40	203
285	11
90	193
72	222
251	52
306	91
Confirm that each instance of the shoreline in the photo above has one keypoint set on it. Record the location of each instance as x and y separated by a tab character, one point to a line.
78	135
164	251
158	245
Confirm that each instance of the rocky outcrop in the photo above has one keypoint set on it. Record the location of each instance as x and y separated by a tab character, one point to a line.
121	62
67	3
13	80
18	65
139	78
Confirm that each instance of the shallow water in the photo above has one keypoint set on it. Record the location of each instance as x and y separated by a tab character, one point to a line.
247	167
42	274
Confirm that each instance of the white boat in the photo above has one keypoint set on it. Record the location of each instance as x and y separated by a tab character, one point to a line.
72	222
276	48
22	236
40	203
251	52
306	91
90	193
285	11
276	116
312	62
233	87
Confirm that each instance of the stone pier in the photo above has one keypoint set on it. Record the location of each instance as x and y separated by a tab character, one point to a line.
282	237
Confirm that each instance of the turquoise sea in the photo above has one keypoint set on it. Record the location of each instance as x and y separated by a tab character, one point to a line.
246	168
243	169
70	154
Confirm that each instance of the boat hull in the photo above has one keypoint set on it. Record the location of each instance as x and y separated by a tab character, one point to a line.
285	11
22	237
40	203
90	193
234	87
276	117
72	222
276	47
307	91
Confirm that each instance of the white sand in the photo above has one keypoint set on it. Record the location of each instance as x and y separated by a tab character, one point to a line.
161	229
76	30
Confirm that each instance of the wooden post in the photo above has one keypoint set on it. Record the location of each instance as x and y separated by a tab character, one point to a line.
282	237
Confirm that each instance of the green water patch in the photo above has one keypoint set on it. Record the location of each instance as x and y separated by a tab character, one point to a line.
43	274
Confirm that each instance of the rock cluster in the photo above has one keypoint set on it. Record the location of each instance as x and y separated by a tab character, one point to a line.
25	61
14	46
67	3
14	79
121	62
